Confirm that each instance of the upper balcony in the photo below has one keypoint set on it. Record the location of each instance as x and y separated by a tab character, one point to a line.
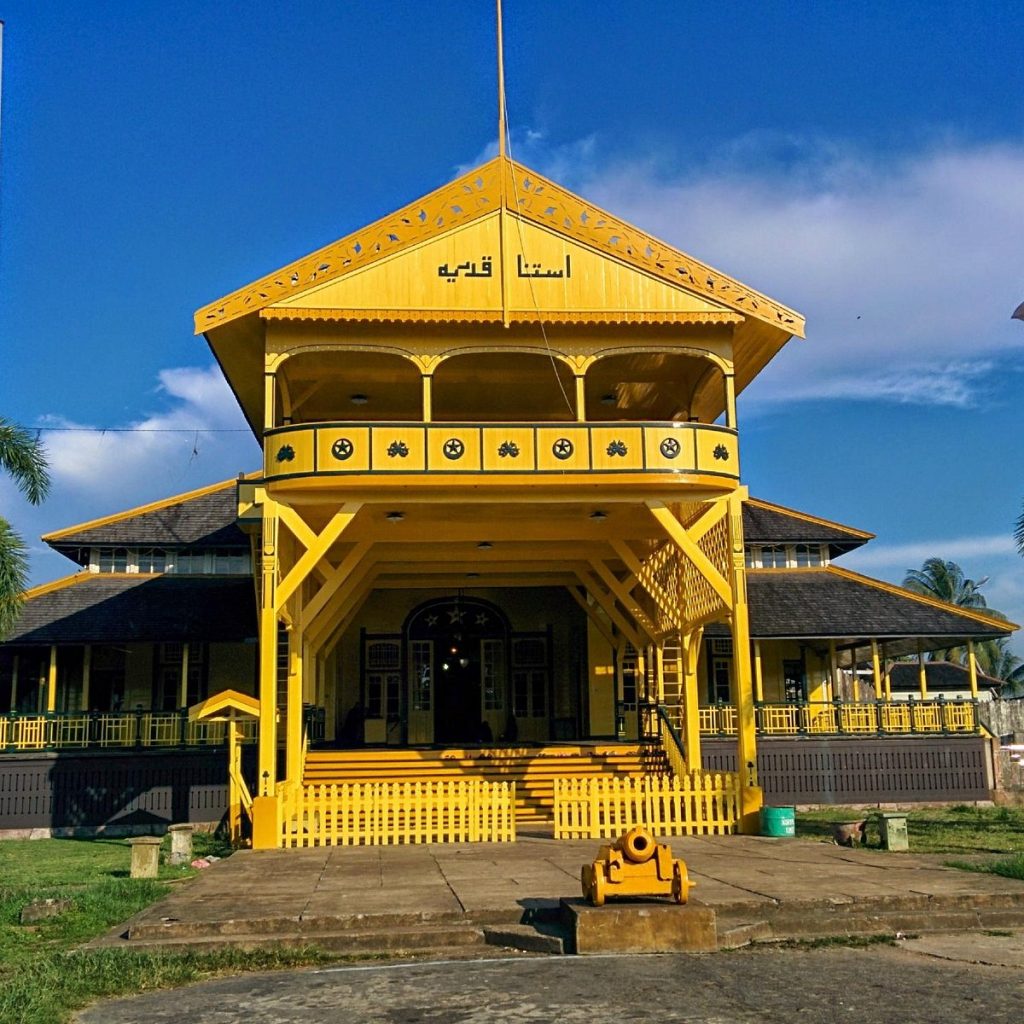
508	418
685	452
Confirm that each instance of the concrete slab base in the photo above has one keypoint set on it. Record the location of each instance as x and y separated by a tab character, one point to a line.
640	927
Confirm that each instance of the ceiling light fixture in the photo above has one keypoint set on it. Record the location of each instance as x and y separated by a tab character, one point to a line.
598	516
610	399
395	517
485	545
358	399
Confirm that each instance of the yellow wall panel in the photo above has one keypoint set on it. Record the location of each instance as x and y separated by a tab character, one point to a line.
399	448
343	449
574	456
617	447
508	449
671	447
289	452
453	450
717	452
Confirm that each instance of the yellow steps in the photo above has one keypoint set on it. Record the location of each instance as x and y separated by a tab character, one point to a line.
533	770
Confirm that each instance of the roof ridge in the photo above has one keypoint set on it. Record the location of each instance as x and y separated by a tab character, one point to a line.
131	513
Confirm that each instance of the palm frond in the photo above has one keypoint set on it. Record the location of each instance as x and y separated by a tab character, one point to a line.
23	456
13	576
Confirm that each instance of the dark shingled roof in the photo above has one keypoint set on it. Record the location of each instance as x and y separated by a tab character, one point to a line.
100	608
207	520
766	523
940	675
833	602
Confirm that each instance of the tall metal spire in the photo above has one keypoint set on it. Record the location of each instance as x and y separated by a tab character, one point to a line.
501	87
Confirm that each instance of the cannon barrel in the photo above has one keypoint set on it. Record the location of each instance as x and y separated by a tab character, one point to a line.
637	845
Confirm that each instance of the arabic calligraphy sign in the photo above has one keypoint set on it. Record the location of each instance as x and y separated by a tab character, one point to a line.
470	268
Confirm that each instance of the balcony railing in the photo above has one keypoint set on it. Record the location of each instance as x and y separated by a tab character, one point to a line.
500	449
840	718
69	730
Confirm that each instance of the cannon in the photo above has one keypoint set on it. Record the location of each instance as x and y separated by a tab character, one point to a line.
635	865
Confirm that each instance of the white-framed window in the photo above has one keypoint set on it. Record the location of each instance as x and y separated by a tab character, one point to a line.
807	555
152	560
492	674
773	556
529	677
421	656
112	559
383	678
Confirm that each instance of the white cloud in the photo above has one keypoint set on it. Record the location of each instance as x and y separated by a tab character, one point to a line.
911	266
198	438
910	556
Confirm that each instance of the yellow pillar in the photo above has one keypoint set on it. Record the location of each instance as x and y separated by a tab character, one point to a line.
751	796
833	671
293	739
267	761
690	650
86	675
922	675
888	676
876	670
581	399
758	674
428	398
269	396
51	681
234	773
730	401
183	693
972	669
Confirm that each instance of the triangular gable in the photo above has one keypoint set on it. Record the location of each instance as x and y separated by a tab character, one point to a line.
500	185
473	267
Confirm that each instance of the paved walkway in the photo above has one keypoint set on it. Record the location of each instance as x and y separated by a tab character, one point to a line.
746	878
762	986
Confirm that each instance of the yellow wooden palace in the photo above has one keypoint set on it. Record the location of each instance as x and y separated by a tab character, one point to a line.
499	526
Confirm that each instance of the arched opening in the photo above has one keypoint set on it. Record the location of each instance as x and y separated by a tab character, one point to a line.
458	649
324	385
660	386
503	387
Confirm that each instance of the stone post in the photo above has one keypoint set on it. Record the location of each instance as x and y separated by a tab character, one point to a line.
145	856
181	843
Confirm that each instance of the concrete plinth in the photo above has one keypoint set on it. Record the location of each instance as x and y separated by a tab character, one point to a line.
145	856
181	843
640	927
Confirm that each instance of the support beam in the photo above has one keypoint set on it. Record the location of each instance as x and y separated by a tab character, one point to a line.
668	607
607	602
581	399
591	613
692	551
625	599
318	628
267	762
316	551
428	398
690	651
335	578
293	721
14	682
922	673
833	671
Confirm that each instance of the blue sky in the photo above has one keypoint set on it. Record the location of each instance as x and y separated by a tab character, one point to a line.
863	163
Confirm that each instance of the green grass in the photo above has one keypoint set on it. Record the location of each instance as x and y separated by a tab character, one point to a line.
960	829
44	978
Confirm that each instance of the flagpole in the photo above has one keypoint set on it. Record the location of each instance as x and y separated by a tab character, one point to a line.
501	87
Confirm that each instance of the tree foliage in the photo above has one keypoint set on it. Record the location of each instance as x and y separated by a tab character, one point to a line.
23	458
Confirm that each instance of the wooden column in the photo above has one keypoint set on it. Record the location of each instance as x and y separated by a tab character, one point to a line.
730	401
14	682
972	669
922	675
267	772
86	675
293	725
428	398
581	399
183	683
833	670
758	674
690	652
876	670
51	681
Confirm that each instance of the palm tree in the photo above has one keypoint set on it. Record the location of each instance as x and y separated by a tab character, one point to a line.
23	458
1007	666
946	581
1018	533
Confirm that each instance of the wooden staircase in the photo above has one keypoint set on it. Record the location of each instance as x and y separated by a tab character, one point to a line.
532	769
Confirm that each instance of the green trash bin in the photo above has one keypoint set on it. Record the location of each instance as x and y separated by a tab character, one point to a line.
778	821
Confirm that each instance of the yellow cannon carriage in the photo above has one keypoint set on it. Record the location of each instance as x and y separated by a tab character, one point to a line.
635	865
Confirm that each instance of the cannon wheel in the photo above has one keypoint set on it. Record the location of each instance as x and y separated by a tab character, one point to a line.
594	886
680	882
